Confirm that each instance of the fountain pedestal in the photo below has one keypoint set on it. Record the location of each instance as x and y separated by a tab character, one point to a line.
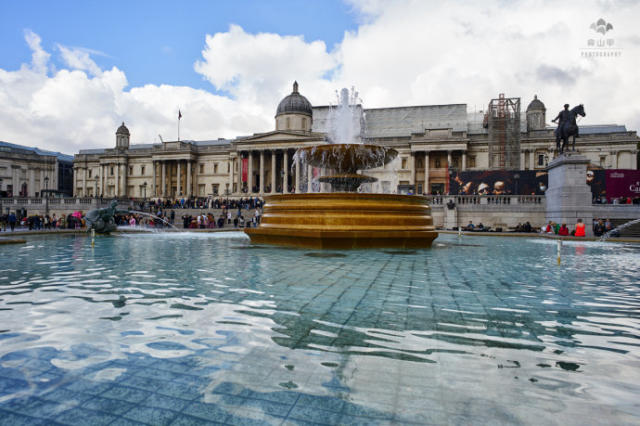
346	219
568	195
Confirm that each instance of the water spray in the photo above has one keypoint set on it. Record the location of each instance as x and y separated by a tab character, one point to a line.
559	250
93	238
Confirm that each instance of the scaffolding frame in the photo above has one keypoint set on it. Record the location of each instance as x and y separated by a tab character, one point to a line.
503	119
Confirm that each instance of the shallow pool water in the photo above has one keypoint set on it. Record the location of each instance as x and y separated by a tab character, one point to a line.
181	328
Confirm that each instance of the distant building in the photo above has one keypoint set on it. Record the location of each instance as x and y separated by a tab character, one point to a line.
431	140
26	171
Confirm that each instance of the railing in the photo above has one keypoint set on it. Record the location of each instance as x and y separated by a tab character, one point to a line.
464	200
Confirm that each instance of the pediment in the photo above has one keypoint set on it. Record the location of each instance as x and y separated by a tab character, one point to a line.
280	136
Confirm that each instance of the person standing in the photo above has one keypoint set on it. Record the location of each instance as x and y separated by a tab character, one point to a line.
12	221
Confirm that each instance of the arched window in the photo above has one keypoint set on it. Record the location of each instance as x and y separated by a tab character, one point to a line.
288	123
304	123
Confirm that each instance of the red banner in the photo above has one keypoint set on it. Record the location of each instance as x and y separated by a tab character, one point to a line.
245	168
622	183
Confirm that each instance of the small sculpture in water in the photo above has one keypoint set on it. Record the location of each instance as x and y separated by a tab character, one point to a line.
102	220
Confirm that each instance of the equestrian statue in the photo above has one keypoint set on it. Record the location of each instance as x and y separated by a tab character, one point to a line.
567	126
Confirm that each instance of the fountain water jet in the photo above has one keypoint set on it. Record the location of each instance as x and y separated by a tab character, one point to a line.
345	219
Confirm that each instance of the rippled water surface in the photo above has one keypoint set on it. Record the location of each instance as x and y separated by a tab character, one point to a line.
192	328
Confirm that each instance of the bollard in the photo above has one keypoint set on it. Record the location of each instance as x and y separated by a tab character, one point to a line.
559	250
93	237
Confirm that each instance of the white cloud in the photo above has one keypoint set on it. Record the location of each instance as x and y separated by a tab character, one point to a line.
406	52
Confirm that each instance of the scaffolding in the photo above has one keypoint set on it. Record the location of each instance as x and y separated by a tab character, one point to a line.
503	123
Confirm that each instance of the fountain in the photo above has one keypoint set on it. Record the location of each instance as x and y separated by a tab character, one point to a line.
345	219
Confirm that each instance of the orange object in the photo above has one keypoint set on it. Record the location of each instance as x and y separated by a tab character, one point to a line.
580	229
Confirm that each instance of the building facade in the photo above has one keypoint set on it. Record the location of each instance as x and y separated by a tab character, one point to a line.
431	140
27	171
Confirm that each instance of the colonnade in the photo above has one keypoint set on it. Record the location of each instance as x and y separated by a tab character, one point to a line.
427	167
277	164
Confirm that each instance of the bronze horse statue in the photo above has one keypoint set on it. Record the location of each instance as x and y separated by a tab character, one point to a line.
569	128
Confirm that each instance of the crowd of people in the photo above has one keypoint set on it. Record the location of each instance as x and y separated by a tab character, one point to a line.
563	230
38	222
618	200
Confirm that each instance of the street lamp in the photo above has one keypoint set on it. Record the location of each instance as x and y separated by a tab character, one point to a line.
516	177
46	199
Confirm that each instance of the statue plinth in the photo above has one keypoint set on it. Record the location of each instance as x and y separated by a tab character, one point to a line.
568	195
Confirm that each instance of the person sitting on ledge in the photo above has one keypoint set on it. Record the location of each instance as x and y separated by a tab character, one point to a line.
563	231
580	231
481	227
470	226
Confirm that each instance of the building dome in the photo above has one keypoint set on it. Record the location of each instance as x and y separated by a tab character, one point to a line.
122	130
536	105
294	103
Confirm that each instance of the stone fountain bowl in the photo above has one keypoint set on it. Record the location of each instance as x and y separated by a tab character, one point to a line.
347	158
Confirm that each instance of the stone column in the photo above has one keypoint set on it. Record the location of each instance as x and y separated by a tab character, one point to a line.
568	195
125	175
231	174
261	188
532	159
309	178
153	183
285	168
425	186
239	173
84	181
116	186
31	191
297	164
179	178
273	172
189	183
464	160
412	168
163	180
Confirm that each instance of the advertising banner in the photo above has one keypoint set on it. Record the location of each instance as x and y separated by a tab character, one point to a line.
245	168
498	182
622	183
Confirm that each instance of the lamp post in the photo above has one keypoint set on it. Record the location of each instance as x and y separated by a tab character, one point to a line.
144	196
46	198
516	177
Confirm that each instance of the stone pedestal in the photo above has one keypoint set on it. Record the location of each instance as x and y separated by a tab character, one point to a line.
569	196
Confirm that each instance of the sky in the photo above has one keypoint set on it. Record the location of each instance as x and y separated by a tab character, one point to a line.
72	71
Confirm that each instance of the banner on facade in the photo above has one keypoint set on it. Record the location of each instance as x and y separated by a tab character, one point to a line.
498	182
622	183
245	169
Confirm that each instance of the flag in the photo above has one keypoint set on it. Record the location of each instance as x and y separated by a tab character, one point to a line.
179	115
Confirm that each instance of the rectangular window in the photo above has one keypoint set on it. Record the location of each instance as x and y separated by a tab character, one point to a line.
201	168
111	171
404	163
214	187
471	161
540	159
130	170
304	123
215	167
90	172
142	170
603	159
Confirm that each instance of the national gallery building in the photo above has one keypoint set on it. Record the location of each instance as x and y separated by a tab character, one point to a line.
431	140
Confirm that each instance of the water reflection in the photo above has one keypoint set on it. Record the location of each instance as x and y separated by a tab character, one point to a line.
471	329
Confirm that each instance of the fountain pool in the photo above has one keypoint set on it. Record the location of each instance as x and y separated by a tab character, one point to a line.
182	328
